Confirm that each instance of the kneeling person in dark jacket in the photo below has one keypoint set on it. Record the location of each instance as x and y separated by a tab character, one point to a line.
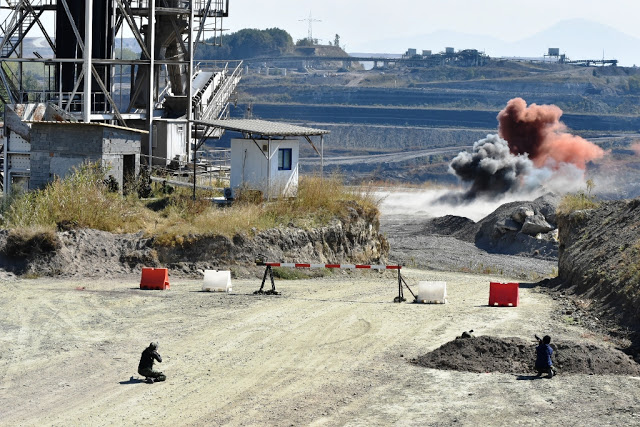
543	357
145	367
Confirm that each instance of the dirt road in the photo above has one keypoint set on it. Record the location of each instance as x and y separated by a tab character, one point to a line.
328	351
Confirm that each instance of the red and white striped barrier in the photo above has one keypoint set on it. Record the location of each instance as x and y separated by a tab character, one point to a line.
269	265
345	266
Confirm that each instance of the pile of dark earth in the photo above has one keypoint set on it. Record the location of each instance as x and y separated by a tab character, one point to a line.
517	356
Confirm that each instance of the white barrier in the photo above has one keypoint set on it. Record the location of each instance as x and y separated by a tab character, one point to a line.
432	292
217	281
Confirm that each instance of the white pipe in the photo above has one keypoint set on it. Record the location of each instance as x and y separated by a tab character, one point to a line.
189	87
88	53
321	156
151	27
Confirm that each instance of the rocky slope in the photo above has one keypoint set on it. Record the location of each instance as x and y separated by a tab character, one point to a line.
524	228
94	253
599	258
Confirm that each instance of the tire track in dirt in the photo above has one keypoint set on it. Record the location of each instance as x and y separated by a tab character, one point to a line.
330	351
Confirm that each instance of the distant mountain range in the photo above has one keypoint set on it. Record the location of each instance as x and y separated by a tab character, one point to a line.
577	38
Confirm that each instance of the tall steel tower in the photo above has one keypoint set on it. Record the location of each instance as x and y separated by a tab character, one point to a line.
80	72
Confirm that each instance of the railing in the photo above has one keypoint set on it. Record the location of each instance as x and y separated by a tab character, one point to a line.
13	3
214	6
218	103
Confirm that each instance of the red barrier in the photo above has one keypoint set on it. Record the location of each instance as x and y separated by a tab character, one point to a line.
504	294
154	278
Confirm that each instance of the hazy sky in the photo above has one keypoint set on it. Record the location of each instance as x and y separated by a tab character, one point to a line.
357	21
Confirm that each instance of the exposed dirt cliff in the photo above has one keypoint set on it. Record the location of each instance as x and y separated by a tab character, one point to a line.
599	258
94	253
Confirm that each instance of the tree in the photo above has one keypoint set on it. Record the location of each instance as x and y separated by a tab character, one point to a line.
336	41
304	42
249	43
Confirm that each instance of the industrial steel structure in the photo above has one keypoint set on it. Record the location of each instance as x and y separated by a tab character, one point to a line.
83	77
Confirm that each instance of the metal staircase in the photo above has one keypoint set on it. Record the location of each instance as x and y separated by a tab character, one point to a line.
218	106
17	25
14	28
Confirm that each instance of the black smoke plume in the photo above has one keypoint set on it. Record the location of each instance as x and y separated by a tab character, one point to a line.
491	169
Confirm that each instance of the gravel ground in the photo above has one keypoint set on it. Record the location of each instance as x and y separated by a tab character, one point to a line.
410	246
332	351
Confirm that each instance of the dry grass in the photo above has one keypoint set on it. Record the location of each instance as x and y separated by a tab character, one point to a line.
22	242
575	202
82	200
319	201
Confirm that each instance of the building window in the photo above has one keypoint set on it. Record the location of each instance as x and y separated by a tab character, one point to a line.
284	159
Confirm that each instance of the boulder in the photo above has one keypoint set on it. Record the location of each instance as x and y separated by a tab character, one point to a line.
521	213
536	224
506	224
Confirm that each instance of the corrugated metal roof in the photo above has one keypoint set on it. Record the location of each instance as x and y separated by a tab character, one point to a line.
263	127
87	124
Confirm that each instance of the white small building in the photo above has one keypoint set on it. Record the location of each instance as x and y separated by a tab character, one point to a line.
266	157
258	165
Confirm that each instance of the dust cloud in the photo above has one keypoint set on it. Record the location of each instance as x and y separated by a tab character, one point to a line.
433	203
491	169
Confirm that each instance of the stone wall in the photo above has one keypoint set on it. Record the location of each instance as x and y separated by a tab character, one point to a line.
56	148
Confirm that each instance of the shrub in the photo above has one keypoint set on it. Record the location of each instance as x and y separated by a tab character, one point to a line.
81	199
578	201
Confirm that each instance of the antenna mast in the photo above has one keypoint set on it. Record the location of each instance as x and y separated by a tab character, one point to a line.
311	21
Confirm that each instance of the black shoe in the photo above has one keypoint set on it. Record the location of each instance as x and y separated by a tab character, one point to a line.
551	373
149	380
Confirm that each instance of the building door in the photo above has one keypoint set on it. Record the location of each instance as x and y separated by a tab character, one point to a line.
128	171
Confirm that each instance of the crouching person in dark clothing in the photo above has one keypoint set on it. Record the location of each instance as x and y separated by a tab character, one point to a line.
543	357
145	367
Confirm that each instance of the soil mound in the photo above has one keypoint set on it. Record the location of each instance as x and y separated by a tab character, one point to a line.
93	253
517	356
451	225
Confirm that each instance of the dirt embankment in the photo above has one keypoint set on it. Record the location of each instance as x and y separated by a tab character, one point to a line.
598	259
86	252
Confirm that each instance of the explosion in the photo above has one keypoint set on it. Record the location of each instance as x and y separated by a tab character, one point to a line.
491	169
538	131
532	148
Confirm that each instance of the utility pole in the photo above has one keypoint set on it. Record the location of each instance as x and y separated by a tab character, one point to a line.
310	20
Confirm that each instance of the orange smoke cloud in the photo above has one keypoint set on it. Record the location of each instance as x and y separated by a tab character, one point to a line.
538	131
